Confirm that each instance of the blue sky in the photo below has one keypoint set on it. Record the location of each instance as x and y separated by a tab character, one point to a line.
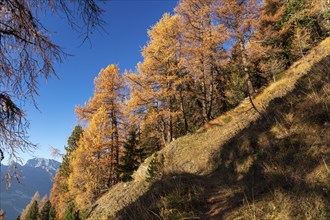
127	25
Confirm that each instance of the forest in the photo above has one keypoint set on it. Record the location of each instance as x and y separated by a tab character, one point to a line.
200	61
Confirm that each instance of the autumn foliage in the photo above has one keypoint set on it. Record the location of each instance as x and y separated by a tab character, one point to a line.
199	62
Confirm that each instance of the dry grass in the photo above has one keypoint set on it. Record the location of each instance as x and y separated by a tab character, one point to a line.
281	205
195	153
179	197
289	177
268	162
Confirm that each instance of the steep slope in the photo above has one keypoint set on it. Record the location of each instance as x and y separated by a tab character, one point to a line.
243	160
36	175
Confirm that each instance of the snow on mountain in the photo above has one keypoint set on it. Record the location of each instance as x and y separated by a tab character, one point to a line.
51	166
35	175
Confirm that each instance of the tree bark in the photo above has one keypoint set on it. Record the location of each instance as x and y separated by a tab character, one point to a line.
184	114
248	82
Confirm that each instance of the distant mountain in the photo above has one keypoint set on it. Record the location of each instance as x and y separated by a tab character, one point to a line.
51	166
36	175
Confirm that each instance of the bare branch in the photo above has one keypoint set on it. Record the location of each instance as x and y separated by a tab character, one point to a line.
27	54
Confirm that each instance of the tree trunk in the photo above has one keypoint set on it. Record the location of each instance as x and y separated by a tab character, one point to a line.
116	144
204	104
111	167
184	114
248	82
171	128
211	96
220	87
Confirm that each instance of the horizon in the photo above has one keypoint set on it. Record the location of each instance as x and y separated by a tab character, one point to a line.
23	163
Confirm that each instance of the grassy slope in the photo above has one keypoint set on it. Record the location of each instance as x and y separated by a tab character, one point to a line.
260	166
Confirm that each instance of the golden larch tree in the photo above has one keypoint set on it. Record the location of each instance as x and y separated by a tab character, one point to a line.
203	54
157	90
109	93
240	18
286	31
90	163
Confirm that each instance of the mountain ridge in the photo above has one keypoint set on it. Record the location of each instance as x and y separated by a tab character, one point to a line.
50	165
35	175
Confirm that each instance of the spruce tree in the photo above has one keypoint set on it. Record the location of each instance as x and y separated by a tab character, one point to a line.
52	213
35	198
70	213
44	212
71	146
60	195
130	160
33	211
152	171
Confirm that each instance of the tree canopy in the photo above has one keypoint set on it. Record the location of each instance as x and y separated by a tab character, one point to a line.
199	62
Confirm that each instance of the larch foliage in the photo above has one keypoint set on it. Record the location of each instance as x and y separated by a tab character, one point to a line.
286	30
109	93
60	195
267	49
90	162
94	162
157	88
240	18
203	55
190	62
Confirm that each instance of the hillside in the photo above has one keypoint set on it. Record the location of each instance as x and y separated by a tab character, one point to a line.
244	165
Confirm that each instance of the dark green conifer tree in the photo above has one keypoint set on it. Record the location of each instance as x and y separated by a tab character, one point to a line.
132	157
44	212
70	213
33	211
52	213
152	171
71	146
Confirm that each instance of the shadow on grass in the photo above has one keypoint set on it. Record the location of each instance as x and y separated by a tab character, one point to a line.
272	154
